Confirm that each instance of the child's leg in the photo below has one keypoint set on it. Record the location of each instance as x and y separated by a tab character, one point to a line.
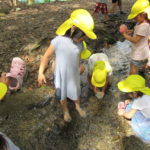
104	11
81	68
133	69
120	5
96	9
64	105
113	7
79	109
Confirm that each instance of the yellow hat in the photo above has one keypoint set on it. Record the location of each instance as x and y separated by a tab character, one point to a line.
134	83
99	74
147	10
138	7
82	19
85	54
3	90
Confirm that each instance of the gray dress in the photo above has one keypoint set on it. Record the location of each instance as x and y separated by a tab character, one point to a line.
67	76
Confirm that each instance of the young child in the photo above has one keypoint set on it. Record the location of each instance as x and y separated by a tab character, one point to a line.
67	47
6	143
116	3
99	71
140	48
14	79
101	6
139	109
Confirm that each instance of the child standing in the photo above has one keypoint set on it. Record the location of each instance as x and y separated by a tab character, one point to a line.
140	48
67	47
101	6
116	3
139	109
99	71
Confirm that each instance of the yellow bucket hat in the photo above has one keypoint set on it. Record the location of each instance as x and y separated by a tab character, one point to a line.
134	83
82	19
138	7
147	10
3	90
99	74
85	54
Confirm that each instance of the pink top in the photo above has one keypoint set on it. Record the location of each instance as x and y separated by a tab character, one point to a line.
140	50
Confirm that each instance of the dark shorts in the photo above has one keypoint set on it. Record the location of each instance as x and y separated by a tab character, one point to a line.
101	7
114	1
139	63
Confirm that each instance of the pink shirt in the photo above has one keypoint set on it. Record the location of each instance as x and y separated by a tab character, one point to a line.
140	50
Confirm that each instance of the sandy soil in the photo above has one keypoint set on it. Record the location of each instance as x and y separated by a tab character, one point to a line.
29	117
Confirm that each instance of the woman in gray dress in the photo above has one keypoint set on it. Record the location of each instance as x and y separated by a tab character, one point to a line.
67	47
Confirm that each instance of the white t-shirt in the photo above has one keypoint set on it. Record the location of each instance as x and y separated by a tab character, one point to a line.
10	144
140	50
142	104
97	57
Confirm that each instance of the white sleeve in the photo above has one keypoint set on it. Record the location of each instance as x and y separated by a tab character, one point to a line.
138	104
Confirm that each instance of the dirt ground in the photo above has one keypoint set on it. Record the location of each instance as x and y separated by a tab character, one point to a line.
33	120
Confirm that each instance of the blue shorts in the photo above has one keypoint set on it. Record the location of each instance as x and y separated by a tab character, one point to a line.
140	124
139	63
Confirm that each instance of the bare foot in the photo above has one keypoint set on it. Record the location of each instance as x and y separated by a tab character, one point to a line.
81	112
67	117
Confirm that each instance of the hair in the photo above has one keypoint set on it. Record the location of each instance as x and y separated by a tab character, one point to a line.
3	143
139	94
77	33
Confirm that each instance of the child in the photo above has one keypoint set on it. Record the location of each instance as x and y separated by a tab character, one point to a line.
140	48
101	6
116	3
6	143
67	47
138	110
98	71
14	79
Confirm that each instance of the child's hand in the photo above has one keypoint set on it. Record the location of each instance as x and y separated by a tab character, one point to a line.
121	105
121	112
123	28
102	93
41	79
4	79
128	101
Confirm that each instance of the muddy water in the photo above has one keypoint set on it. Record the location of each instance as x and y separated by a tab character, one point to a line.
34	121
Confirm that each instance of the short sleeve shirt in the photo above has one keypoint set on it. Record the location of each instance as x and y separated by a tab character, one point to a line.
140	50
142	104
97	57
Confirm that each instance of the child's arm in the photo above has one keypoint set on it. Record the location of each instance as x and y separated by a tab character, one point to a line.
44	63
127	101
133	39
105	86
129	31
128	115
